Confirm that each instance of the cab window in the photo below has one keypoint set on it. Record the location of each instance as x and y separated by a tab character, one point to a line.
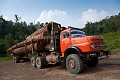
77	33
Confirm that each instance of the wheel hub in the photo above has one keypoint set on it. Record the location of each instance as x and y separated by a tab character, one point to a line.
38	62
33	61
72	64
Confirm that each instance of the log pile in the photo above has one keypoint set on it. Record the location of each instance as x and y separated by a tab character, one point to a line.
39	40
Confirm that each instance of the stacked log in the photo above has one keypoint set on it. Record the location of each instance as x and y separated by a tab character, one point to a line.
39	40
28	48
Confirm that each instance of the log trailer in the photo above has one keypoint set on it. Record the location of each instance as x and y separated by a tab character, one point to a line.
55	44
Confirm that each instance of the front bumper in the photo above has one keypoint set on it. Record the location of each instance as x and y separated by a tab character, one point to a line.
104	54
99	54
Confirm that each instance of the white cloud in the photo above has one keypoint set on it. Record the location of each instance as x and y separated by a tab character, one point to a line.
65	19
6	18
54	15
117	12
92	15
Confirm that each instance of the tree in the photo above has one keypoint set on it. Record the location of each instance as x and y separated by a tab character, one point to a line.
17	18
13	32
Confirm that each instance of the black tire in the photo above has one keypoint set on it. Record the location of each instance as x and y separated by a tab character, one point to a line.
33	61
45	63
16	59
39	62
74	64
92	63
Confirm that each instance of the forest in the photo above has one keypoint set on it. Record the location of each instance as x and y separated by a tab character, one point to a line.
14	32
109	24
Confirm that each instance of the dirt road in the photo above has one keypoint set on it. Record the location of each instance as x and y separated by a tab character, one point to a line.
107	69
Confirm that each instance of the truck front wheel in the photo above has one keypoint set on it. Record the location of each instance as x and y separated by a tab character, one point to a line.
92	63
39	62
74	64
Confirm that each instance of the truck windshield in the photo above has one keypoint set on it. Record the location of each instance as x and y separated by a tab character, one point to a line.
77	33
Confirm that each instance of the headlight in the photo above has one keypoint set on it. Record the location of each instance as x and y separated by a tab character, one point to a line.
97	45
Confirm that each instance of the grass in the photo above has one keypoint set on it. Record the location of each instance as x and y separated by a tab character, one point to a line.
2	59
112	40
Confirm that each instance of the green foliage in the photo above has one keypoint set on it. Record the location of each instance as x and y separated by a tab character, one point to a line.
13	32
112	40
5	58
110	24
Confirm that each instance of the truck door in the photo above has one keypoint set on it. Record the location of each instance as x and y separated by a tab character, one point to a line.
65	41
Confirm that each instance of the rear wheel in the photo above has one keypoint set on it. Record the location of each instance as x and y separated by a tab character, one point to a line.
16	59
33	61
39	62
74	64
45	63
92	63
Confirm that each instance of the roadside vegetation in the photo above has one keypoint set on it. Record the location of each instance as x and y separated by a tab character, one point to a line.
112	40
6	58
14	32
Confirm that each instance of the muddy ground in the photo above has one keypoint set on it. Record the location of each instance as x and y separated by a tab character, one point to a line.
107	69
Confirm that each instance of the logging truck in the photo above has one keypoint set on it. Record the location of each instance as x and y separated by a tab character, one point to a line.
54	44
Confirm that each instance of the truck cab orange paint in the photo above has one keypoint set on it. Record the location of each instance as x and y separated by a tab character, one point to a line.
76	37
65	40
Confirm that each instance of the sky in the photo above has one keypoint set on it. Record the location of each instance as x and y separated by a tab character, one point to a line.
74	13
